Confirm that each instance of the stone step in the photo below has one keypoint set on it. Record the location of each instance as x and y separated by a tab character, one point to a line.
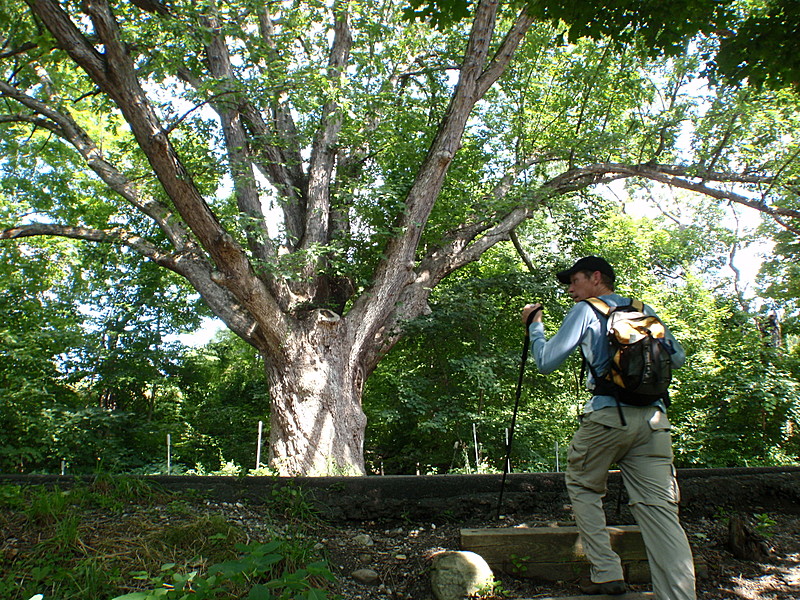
553	553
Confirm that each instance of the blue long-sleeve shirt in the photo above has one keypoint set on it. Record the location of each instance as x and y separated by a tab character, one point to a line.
583	327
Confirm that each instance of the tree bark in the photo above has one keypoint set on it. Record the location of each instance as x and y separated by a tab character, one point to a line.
316	422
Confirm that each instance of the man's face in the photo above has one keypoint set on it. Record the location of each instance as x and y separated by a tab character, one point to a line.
581	287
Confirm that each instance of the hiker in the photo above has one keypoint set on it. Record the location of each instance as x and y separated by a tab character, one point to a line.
636	438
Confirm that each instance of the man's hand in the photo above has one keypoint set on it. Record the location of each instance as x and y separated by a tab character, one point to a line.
532	308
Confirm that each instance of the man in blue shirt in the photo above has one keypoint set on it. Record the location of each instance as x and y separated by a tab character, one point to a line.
639	444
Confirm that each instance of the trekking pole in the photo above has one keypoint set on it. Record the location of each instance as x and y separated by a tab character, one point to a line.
516	406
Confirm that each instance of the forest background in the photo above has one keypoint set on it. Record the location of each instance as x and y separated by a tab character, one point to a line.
93	375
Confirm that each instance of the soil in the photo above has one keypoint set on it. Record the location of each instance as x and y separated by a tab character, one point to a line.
397	551
401	557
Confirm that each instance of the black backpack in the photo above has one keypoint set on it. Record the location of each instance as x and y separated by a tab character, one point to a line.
640	369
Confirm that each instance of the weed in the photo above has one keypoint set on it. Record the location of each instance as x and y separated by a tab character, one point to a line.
47	506
113	491
86	542
519	564
449	515
764	524
206	535
259	570
722	514
11	497
291	502
179	507
93	577
493	589
338	486
65	534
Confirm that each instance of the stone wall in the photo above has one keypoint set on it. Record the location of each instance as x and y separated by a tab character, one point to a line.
466	498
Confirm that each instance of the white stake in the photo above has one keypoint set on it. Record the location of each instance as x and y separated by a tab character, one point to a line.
258	448
557	465
475	441
508	462
169	452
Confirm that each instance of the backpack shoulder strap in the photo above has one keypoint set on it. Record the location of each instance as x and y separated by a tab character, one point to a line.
637	305
599	306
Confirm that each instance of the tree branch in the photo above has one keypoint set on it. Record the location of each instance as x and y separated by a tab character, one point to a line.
116	235
237	147
64	126
17	51
118	79
396	272
683	177
323	150
188	263
69	37
521	251
505	52
281	163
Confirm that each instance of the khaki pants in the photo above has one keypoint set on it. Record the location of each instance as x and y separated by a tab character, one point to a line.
642	449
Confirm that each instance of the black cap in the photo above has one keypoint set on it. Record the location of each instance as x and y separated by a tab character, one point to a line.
587	263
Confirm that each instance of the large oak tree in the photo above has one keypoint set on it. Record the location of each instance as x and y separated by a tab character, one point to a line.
390	153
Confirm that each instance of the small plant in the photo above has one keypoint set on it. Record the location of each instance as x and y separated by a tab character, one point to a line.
48	506
179	507
722	514
291	502
519	563
764	524
262	471
493	589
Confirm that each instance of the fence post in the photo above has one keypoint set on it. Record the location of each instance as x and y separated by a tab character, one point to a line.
477	454
258	448
558	468
508	458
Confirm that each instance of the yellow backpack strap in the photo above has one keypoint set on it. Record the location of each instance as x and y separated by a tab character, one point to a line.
599	305
638	305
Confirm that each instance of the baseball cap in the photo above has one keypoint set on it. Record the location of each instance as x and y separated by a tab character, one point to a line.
587	263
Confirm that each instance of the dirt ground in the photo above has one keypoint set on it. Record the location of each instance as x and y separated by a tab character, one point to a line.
389	558
400	555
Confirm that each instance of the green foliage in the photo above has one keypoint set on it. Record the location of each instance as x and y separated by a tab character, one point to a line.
225	395
664	28
61	563
457	367
255	573
764	523
737	402
80	542
759	49
422	403
87	374
292	504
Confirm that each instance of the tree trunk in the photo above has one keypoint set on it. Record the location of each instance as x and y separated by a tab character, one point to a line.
316	421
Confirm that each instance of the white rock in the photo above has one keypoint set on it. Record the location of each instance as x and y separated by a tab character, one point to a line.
456	575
